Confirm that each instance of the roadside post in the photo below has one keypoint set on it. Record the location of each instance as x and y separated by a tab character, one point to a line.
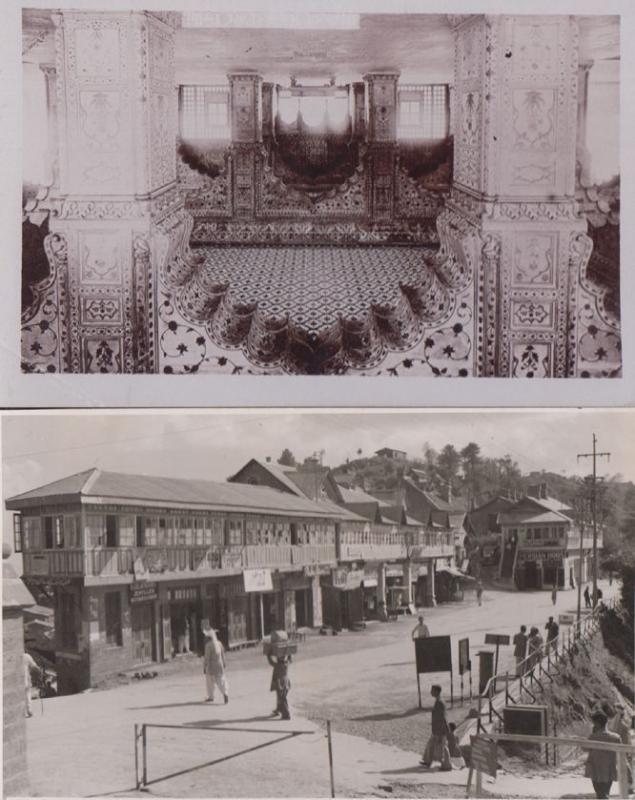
483	759
434	654
465	664
497	639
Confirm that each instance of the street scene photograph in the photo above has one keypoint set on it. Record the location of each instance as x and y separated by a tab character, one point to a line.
318	603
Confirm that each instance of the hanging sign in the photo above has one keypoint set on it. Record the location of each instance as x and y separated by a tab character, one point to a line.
258	580
348	579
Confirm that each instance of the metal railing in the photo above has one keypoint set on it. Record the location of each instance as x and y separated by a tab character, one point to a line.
533	672
622	751
142	780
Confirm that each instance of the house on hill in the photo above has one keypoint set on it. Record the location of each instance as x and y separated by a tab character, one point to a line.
390	452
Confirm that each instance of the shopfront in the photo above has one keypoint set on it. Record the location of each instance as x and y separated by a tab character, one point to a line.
343	598
369	592
396	594
538	569
185	614
143	596
298	600
263	597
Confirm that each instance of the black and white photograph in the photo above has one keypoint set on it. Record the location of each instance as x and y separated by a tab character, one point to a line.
318	603
305	193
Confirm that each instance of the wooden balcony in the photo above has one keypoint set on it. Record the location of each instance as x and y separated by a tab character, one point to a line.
54	563
109	562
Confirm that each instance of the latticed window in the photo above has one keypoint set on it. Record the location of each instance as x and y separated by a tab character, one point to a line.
17	533
204	112
424	111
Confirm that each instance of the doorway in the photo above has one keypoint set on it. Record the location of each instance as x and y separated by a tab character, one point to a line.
303	608
143	636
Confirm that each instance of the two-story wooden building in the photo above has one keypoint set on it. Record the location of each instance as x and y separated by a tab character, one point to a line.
137	565
542	545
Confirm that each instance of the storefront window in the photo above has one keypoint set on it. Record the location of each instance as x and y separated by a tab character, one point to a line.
126	531
151	531
95	530
32	528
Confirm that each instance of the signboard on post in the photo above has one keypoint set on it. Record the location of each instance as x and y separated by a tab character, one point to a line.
465	665
565	619
484	755
258	580
433	654
527	720
464	656
498	639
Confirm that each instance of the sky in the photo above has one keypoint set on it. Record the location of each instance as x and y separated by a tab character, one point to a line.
40	447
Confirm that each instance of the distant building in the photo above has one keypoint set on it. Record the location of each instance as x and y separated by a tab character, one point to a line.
541	543
389	452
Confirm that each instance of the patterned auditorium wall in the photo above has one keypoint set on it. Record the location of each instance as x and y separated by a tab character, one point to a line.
538	314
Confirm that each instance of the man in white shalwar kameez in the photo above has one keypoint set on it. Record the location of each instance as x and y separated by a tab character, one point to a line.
214	666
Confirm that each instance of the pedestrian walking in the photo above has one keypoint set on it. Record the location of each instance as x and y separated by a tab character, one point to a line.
520	649
214	666
280	684
587	597
619	724
554	594
479	593
30	667
437	747
552	629
420	631
534	647
601	765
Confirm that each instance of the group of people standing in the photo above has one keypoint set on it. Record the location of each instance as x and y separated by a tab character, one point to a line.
529	648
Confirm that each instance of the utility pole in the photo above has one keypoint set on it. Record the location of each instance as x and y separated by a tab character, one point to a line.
594	455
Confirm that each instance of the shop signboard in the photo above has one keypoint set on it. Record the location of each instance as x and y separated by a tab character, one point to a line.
143	591
484	755
258	580
540	555
565	619
231	559
348	579
313	570
394	571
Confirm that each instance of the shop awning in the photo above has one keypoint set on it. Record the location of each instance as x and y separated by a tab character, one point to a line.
455	573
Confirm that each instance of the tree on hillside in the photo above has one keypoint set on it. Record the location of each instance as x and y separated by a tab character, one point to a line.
448	465
470	464
287	458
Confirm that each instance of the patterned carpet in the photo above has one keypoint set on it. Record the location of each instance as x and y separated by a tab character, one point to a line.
315	309
314	286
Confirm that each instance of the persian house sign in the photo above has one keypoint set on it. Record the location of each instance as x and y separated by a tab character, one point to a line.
143	591
343	579
258	580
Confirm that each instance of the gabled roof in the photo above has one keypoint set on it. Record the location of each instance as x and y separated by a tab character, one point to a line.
517	518
308	481
100	485
278	472
359	496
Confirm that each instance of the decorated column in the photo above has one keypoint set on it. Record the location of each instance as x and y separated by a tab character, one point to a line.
407	580
431	597
316	598
246	132
381	586
382	143
115	210
512	214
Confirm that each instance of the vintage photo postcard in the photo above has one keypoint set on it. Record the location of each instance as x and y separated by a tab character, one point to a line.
274	192
319	604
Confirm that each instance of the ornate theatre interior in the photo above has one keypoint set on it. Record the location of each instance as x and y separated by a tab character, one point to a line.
309	193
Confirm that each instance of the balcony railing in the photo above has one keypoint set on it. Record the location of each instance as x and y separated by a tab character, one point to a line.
115	561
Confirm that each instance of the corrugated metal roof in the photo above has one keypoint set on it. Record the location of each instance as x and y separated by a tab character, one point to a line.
116	485
532	519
